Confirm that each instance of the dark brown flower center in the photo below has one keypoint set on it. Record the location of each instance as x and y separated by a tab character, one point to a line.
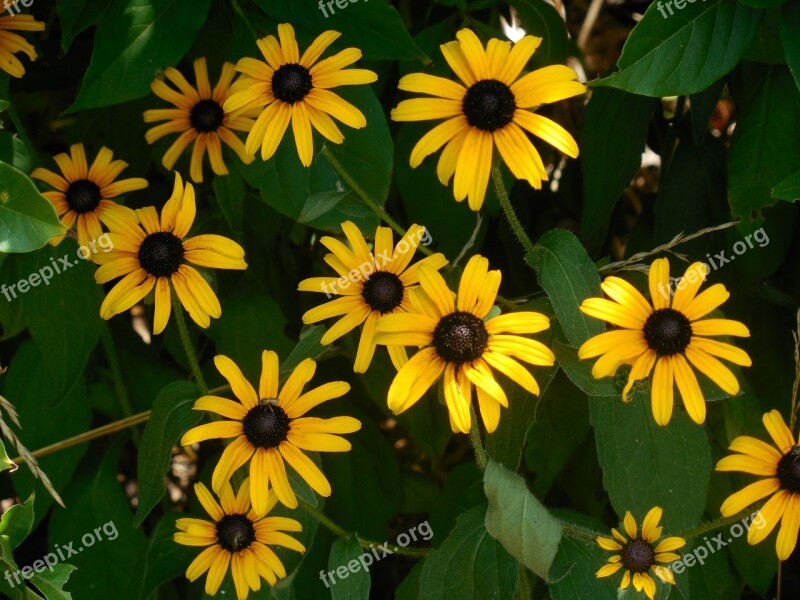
83	196
161	253
383	291
266	425
460	337
789	470
291	83
638	555
206	116
235	533
489	105
667	331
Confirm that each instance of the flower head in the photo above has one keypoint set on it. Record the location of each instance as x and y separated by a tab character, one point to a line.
238	538
11	43
148	252
490	109
270	428
290	87
666	337
372	283
200	119
459	341
82	193
639	554
779	465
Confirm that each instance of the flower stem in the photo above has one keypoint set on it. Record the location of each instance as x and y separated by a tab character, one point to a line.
341	532
191	356
704	528
577	532
475	438
119	384
516	226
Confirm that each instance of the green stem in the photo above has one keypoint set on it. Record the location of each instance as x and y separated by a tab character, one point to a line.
475	438
119	384
244	18
577	532
341	532
704	528
191	356
516	226
21	132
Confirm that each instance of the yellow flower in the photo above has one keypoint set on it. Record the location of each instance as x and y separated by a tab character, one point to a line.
150	253
372	283
639	554
11	43
459	341
238	538
666	335
269	429
491	110
779	465
290	87
200	118
83	193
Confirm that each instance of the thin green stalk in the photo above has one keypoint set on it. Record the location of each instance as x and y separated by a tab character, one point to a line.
191	356
704	528
475	438
120	389
577	532
244	18
516	226
21	132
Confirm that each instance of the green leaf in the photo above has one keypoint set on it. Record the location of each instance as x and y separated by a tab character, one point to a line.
134	39
568	276
354	583
5	462
27	219
685	50
580	372
645	465
308	346
519	521
790	25
165	559
51	582
469	565
77	16
541	19
462	490
17	522
580	560
172	416
229	191
763	3
409	587
788	189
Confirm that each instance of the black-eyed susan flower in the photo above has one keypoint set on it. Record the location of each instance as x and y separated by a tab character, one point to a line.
459	341
491	108
270	429
666	337
82	193
151	253
238	538
779	465
200	119
290	87
11	43
371	283
639	554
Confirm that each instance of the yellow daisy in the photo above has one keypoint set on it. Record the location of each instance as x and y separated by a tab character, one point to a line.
371	284
238	538
11	43
290	87
639	554
492	110
459	341
667	335
200	119
83	193
149	253
779	465
269	428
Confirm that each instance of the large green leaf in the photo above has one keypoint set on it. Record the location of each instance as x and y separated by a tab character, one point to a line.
790	25
541	19
580	372
352	577
134	39
685	50
164	559
77	16
27	219
17	522
789	188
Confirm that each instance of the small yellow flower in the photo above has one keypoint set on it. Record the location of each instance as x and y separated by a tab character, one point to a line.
11	43
639	554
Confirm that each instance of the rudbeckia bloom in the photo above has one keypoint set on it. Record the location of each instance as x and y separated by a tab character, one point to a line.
82	193
238	538
779	465
665	335
490	109
372	283
289	87
458	342
200	119
639	554
10	43
270	428
149	253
